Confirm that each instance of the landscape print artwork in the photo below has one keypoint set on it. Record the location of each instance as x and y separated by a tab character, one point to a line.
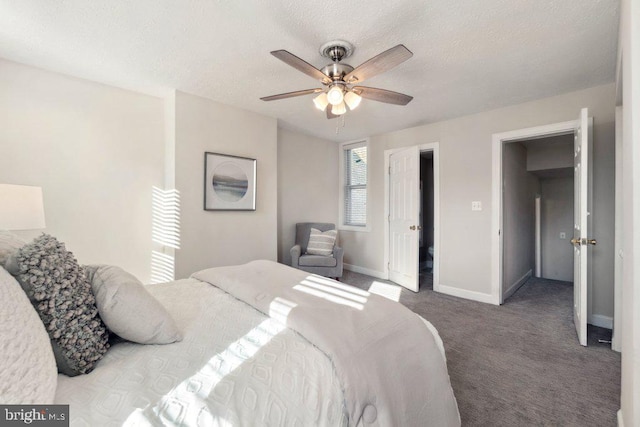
230	182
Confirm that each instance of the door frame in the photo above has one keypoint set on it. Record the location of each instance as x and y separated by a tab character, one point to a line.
497	239
434	147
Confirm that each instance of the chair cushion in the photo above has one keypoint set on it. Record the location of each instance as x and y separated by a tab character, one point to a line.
317	261
321	243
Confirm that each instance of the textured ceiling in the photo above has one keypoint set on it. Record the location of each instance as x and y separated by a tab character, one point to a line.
469	56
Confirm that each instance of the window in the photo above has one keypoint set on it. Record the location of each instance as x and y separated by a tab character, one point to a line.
354	200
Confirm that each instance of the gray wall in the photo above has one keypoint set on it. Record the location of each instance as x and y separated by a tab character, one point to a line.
550	153
215	238
519	194
96	151
465	176
307	185
557	217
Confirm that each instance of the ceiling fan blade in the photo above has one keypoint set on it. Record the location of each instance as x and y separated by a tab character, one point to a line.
330	115
290	94
382	95
379	64
301	65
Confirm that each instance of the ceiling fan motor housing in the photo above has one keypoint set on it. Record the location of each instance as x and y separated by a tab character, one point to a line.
337	70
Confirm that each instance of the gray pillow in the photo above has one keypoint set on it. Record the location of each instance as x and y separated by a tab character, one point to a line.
128	309
61	294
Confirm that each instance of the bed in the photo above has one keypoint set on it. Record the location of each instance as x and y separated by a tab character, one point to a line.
265	344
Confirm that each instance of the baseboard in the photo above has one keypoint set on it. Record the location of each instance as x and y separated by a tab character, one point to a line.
601	321
367	271
463	293
620	418
514	287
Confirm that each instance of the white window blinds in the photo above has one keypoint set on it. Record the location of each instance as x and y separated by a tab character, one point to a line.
355	186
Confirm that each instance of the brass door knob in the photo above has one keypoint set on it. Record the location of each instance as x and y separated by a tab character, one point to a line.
592	242
413	227
576	241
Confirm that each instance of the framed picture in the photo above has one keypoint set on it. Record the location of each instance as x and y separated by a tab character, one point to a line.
229	183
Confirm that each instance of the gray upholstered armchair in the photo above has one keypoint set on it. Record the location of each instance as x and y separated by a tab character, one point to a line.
328	266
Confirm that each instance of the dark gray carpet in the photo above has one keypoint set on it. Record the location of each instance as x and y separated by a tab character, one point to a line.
520	364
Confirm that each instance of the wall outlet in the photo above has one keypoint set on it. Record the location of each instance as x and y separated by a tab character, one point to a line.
563	235
476	206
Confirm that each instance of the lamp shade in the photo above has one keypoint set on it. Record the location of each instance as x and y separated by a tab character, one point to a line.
339	109
321	101
352	99
21	207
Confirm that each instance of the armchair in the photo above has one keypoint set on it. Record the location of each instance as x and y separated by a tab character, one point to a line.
328	266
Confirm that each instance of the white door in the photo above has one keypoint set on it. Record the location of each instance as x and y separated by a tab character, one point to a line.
404	212
581	239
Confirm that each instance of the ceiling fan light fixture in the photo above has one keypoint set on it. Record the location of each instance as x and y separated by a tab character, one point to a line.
339	109
321	101
352	99
335	95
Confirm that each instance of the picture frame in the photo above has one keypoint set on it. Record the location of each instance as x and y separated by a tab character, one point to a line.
229	182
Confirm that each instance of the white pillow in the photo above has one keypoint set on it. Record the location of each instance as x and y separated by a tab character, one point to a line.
28	372
9	243
128	309
321	243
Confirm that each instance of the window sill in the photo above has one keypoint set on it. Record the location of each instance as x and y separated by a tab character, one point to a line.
365	229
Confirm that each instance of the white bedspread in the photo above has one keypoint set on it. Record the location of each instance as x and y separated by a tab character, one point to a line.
235	367
387	361
243	367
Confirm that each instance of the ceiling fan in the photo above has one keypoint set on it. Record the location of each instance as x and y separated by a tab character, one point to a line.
341	81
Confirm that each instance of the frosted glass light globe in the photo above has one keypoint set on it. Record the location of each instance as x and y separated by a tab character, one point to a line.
339	109
335	95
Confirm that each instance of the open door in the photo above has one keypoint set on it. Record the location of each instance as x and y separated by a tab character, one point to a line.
404	212
581	229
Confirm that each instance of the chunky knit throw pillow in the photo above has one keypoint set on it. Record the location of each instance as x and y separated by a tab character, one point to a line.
62	296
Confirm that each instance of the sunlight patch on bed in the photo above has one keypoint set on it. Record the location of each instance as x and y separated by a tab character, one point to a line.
280	308
332	283
333	291
386	290
186	404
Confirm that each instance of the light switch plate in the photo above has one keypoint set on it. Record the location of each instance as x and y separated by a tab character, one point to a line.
476	206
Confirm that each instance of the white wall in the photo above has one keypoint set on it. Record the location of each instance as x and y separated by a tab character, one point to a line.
215	238
557	217
465	176
307	185
96	151
630	83
519	195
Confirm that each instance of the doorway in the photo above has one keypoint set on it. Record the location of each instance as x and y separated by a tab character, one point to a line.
537	204
582	159
412	213
426	251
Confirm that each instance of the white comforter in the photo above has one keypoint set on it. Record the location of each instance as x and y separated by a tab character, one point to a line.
245	368
235	366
